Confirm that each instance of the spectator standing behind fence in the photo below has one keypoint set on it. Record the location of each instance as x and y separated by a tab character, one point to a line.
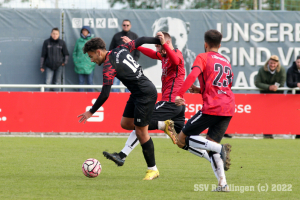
293	75
117	40
293	78
83	65
55	55
271	76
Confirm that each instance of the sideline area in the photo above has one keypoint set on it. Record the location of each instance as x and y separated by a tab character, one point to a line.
125	135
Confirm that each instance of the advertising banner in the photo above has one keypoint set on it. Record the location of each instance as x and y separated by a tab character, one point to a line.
57	112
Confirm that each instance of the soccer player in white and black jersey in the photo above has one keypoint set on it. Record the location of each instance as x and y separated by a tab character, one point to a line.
119	63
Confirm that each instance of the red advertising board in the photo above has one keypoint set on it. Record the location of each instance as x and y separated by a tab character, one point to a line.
57	112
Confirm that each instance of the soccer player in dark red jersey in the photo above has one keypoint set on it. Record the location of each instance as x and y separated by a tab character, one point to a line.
215	76
137	114
173	73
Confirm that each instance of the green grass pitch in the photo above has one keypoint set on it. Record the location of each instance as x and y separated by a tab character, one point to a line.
50	168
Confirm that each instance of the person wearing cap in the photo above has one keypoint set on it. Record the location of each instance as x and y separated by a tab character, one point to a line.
271	76
83	65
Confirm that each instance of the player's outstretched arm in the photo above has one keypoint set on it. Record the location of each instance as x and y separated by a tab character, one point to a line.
194	89
174	59
134	44
146	51
146	40
189	81
101	99
150	53
172	55
84	116
99	102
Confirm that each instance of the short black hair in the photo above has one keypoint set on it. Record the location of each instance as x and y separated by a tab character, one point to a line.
55	29
94	44
298	57
213	38
126	20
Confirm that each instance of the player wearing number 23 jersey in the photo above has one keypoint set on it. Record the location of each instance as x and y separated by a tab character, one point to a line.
215	76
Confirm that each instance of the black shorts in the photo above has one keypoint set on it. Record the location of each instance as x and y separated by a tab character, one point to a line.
217	125
140	108
165	110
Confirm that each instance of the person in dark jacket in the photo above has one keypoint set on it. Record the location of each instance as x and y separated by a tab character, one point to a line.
293	78
83	65
117	40
54	56
293	75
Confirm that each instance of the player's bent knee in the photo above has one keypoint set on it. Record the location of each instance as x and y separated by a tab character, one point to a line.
179	144
125	126
127	123
210	139
181	140
142	134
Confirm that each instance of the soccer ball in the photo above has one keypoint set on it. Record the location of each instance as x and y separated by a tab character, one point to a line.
91	168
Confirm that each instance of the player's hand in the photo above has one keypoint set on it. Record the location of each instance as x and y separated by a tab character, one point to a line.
194	89
161	37
179	101
63	64
273	88
42	70
298	85
84	116
126	39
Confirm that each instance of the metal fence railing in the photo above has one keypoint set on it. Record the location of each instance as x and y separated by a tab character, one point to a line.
43	86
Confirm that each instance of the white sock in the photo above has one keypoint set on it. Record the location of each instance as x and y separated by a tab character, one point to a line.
200	142
214	168
199	152
131	143
219	170
153	168
161	125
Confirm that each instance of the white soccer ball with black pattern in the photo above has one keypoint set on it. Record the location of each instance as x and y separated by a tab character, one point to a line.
91	168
